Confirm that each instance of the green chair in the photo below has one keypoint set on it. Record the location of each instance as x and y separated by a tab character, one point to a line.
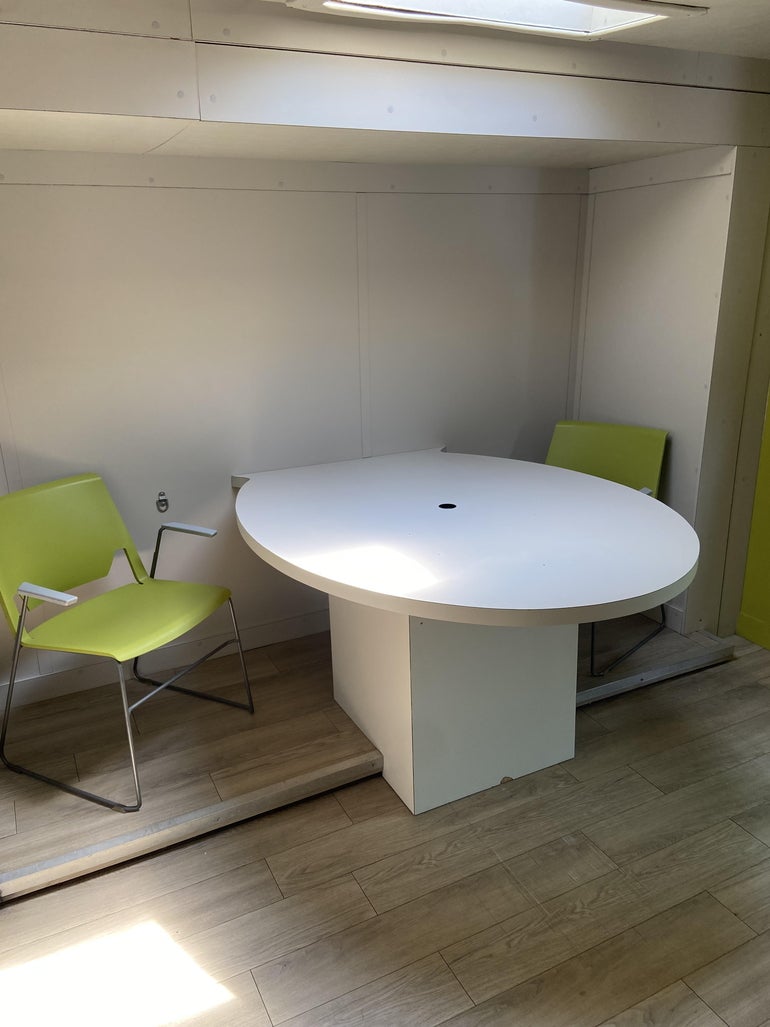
623	453
63	534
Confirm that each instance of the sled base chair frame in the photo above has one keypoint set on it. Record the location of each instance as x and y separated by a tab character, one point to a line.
65	533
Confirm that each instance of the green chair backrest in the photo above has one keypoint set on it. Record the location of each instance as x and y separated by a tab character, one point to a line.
624	453
60	535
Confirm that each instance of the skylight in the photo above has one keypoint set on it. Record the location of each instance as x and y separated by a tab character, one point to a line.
582	19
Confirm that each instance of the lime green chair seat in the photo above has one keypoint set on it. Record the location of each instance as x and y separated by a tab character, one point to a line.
64	534
129	621
624	453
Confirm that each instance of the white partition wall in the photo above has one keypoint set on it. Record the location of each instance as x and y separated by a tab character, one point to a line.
655	253
673	262
656	256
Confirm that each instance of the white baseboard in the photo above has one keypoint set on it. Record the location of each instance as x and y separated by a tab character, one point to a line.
79	679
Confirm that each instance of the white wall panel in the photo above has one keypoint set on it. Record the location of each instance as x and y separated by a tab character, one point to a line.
656	261
170	337
273	87
713	162
737	398
468	320
90	72
24	131
170	18
163	172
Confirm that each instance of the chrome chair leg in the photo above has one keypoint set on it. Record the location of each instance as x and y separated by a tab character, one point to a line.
171	685
128	709
629	652
82	793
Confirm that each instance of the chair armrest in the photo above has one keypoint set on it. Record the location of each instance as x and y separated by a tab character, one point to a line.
46	595
187	529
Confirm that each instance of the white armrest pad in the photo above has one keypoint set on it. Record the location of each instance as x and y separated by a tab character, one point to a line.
47	595
190	529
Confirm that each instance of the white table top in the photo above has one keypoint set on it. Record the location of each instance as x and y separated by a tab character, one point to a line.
524	544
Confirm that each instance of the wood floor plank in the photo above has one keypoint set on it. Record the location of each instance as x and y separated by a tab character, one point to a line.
421	995
204	743
507	954
68	715
715	752
567	810
635	743
352	958
366	799
756	821
673	698
14	786
607	979
276	698
38	854
137	976
628	835
189	864
599	909
221	676
298	652
217	753
244	1008
674	1006
413	872
737	985
272	767
557	867
62	815
7	819
277	932
748	896
594	911
308	865
587	727
181	913
513	795
698	863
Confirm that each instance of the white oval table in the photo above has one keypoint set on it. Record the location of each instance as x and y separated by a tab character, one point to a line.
456	584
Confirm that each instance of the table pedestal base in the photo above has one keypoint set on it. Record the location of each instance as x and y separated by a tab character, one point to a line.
454	708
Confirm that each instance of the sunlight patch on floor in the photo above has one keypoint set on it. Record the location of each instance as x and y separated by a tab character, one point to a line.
139	977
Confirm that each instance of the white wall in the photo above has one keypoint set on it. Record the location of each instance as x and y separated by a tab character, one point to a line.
469	324
667	333
169	335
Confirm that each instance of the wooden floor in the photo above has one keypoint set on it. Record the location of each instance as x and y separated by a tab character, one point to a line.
628	886
202	765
